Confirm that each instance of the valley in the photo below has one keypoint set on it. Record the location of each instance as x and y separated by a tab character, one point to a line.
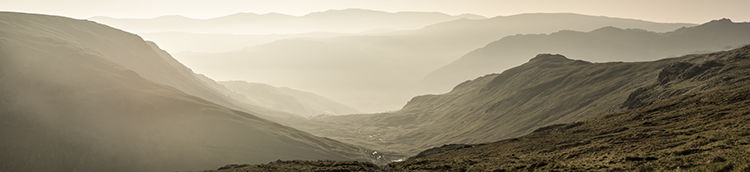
333	85
695	119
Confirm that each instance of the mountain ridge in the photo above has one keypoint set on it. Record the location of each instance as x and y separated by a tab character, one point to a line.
327	12
338	21
599	45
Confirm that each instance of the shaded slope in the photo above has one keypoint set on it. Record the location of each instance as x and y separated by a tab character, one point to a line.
67	105
132	52
549	89
601	45
286	99
362	69
125	49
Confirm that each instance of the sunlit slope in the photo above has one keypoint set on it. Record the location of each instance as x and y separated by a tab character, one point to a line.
67	105
144	58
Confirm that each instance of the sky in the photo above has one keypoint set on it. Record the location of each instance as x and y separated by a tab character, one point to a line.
691	11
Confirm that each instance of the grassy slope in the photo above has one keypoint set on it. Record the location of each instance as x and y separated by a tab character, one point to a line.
706	131
549	89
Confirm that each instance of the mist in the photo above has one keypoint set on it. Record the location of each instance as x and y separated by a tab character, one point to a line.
374	86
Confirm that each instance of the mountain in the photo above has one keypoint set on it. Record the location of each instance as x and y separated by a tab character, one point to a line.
600	45
484	31
147	60
704	129
287	99
80	96
380	72
691	116
339	21
549	89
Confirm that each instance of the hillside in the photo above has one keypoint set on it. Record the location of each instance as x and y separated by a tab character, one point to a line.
600	45
705	131
125	49
79	96
144	58
549	89
693	117
338	21
381	72
286	99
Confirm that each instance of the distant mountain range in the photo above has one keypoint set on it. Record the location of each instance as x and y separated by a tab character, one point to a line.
181	39
380	72
600	45
178	42
340	21
80	96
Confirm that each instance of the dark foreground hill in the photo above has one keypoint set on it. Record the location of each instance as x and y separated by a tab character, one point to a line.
80	96
695	117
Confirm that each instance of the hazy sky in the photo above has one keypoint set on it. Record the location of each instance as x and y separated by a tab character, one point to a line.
695	11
